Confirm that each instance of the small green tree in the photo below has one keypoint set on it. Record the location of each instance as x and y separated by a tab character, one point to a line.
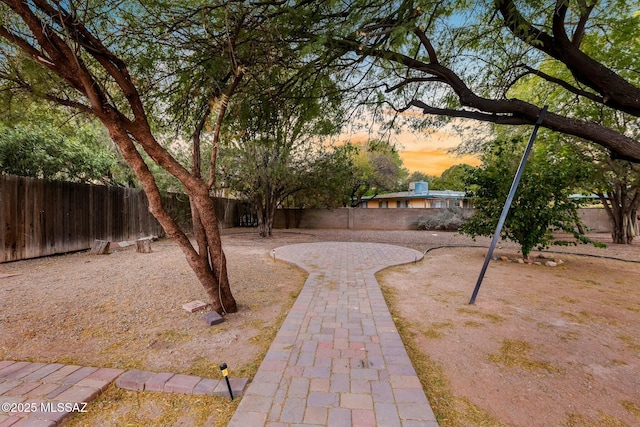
540	206
377	169
452	178
275	145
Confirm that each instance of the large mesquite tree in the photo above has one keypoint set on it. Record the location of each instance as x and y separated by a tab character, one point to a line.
208	57
461	59
82	57
615	181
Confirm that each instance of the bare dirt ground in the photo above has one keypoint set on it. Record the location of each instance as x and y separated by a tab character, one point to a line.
541	346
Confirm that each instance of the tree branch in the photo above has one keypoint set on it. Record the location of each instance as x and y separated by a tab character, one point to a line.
565	85
74	72
558	22
518	111
578	34
523	29
408	81
466	114
116	68
616	92
68	103
424	40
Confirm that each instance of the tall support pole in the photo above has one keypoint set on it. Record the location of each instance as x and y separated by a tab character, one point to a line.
507	204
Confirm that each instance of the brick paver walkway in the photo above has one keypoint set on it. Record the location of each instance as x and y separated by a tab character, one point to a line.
45	394
338	359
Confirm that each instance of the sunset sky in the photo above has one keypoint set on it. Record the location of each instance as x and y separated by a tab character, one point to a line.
425	152
429	154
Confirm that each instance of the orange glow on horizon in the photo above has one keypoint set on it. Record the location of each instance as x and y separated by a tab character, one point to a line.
434	162
425	151
428	154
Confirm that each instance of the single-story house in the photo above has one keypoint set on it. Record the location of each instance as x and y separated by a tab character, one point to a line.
418	196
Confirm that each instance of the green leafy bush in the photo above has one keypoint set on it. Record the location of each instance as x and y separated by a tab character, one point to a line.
47	153
541	204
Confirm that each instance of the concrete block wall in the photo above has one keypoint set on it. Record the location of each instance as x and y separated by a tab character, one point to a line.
595	219
391	219
352	218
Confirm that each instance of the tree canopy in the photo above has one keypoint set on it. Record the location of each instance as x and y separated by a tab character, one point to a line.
452	178
462	59
47	152
377	169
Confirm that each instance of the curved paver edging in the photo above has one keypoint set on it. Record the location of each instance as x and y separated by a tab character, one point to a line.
338	359
45	394
138	380
370	257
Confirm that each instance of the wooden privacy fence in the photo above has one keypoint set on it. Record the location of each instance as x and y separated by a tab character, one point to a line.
40	218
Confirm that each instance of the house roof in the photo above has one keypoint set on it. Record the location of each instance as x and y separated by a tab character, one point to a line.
431	194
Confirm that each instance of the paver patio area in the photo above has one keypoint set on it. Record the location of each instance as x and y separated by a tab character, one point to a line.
338	359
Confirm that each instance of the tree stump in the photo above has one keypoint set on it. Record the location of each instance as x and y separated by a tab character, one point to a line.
100	247
143	245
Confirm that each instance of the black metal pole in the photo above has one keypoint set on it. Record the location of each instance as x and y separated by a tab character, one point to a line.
507	204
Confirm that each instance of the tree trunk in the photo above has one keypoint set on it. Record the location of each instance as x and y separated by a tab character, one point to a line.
578	222
619	232
216	262
266	208
198	231
196	223
270	217
58	50
215	281
262	219
622	214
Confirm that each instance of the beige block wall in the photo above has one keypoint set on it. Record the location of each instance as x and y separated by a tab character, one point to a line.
595	219
391	219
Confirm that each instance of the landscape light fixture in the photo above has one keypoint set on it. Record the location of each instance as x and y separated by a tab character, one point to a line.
225	374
